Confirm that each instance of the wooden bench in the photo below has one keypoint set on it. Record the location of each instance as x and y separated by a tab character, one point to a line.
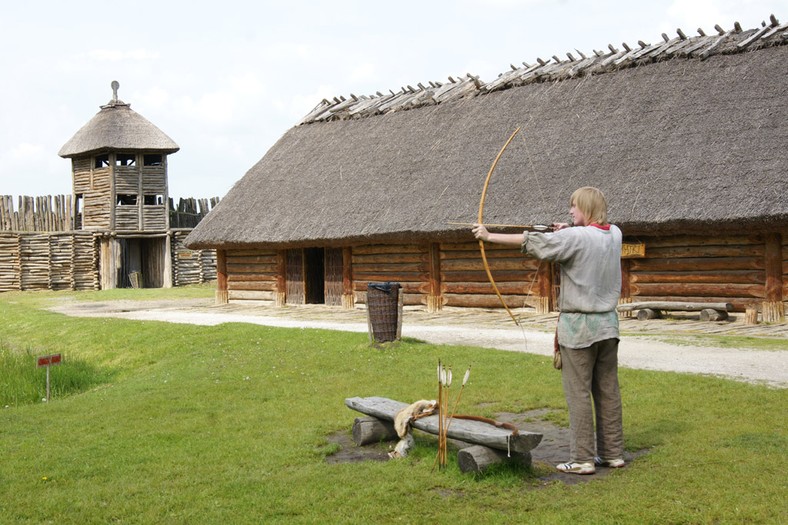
487	444
655	309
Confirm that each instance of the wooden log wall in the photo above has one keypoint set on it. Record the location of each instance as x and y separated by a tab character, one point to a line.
464	281
95	187
44	213
48	261
191	266
190	211
252	274
127	217
785	265
406	264
728	269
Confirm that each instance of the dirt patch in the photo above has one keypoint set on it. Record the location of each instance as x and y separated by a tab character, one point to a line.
552	450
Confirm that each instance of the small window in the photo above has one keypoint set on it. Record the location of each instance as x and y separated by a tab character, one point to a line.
127	200
153	200
125	159
102	161
152	160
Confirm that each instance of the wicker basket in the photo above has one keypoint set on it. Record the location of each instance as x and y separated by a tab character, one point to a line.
383	310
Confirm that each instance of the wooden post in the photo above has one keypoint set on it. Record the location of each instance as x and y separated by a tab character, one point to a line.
167	277
280	294
434	297
626	289
544	285
222	294
348	299
773	306
751	314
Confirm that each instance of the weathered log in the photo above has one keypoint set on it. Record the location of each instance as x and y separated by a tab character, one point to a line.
696	289
478	458
732	277
698	263
480	276
648	313
678	252
386	248
469	431
456	265
485	287
483	301
675	305
368	430
709	314
773	311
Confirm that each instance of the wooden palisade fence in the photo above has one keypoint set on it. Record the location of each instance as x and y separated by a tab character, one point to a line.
43	248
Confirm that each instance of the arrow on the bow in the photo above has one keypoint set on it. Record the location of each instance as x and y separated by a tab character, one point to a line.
481	221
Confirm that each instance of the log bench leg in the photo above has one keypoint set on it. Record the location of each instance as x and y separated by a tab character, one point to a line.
368	430
709	314
479	458
648	313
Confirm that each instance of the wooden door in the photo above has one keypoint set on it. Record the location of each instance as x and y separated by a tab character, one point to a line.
333	277
295	293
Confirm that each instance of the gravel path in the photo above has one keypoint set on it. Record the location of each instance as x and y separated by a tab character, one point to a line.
648	350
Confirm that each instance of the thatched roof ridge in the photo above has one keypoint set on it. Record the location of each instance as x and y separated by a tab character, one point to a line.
117	127
692	146
613	59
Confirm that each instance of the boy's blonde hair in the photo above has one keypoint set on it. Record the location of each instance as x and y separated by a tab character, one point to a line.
591	201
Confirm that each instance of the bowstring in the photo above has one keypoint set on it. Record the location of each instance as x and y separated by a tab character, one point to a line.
539	189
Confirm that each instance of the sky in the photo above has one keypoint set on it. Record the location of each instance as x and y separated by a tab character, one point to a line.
225	80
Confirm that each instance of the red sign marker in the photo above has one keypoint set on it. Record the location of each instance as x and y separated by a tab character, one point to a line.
48	360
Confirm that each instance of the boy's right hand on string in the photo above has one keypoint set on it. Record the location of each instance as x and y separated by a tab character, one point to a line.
480	232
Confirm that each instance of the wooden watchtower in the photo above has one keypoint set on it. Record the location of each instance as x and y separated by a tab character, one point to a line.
119	181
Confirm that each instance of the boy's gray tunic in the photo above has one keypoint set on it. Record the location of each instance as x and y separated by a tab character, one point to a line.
590	260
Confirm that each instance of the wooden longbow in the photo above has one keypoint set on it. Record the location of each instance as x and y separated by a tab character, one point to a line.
480	220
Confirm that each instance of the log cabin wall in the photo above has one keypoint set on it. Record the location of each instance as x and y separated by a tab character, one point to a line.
464	281
406	264
48	261
460	280
191	266
730	269
251	275
785	265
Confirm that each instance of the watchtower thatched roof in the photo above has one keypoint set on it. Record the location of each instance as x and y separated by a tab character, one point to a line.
686	135
117	127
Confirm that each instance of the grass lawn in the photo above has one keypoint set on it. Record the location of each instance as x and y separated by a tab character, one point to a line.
170	423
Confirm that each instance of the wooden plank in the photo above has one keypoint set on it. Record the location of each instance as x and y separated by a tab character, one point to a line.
475	432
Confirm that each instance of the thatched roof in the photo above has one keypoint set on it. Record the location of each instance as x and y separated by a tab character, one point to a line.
677	142
117	127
